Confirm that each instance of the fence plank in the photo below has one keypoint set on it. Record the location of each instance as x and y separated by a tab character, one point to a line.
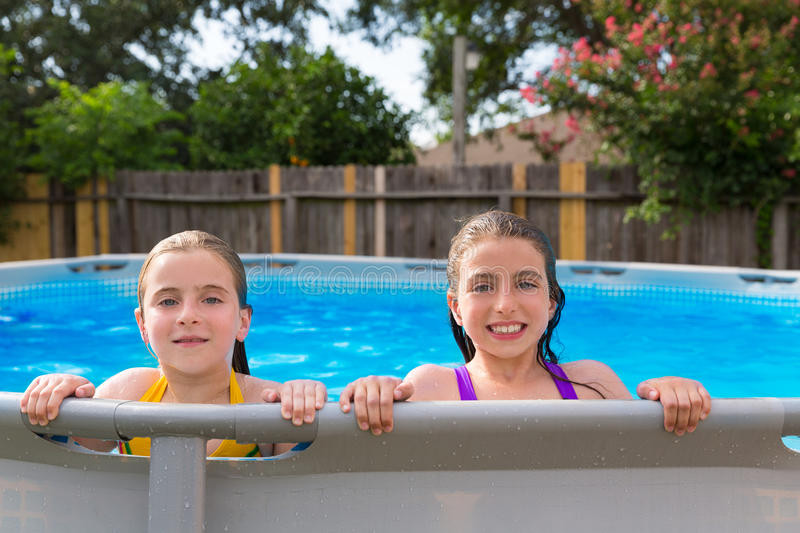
419	220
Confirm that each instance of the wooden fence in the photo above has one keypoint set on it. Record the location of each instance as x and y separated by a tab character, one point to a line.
393	211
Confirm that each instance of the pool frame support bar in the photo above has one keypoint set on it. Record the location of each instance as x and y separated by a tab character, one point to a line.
177	498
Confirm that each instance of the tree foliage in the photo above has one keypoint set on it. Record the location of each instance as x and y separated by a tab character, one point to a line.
307	109
86	42
82	135
702	96
502	30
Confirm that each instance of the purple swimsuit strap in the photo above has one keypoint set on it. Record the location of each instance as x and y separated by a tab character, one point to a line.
565	388
467	391
465	388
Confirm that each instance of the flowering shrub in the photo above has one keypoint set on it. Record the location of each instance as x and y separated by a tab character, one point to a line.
703	96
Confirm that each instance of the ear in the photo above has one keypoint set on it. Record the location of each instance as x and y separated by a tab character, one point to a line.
140	322
245	315
452	303
552	310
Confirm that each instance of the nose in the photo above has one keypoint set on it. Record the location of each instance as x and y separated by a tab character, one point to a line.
189	313
505	301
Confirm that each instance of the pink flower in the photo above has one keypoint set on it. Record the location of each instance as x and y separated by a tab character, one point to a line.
752	95
789	173
582	49
572	124
611	26
528	93
744	131
708	71
636	35
755	42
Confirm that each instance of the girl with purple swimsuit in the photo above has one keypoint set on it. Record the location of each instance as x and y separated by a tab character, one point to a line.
505	303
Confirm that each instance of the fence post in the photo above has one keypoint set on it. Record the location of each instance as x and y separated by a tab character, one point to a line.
519	183
572	211
91	218
276	241
349	211
31	239
780	236
380	212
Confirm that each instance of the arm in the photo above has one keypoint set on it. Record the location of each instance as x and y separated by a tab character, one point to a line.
685	401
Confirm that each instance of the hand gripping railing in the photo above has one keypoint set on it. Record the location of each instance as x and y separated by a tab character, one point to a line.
177	470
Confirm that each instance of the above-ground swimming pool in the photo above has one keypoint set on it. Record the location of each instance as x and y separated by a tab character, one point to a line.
463	466
336	319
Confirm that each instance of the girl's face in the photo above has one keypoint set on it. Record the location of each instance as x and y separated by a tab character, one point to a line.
190	311
503	301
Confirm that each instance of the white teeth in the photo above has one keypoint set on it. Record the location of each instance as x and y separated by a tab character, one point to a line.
507	329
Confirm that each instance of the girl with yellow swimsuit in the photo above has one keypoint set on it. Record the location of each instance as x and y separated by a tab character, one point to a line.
193	316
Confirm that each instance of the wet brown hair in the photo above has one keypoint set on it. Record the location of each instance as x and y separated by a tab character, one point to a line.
498	225
200	240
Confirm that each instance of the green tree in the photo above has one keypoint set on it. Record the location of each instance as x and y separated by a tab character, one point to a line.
86	42
502	30
82	135
703	96
308	109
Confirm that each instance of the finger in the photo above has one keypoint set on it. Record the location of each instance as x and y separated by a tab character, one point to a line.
310	404
287	402
298	404
684	410
345	397
23	403
360	406
404	391
386	402
706	402
54	401
647	391
374	408
321	395
270	395
85	391
695	409
37	408
670	403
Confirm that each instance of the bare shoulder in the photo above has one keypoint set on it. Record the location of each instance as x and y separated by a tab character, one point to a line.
432	383
130	384
598	375
253	387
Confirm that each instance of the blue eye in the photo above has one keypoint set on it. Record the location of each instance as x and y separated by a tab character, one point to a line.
168	302
527	285
482	287
212	300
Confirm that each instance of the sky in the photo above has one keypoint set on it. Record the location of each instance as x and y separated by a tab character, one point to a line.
398	70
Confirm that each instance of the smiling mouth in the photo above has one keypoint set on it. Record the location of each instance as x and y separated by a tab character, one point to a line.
509	329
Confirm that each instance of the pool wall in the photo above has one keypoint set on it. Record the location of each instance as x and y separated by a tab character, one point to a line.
448	466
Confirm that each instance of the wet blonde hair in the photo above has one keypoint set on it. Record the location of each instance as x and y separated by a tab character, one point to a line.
200	240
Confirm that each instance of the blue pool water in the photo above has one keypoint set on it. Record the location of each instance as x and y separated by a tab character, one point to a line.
737	346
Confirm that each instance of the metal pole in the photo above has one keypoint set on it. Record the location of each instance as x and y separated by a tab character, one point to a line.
459	98
177	485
